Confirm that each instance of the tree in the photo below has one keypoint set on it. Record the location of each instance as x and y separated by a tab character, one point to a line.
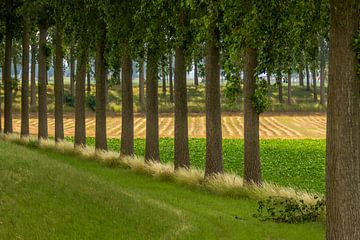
289	88
343	125
25	76
44	22
181	139
214	158
141	83
101	88
7	67
171	85
33	73
59	84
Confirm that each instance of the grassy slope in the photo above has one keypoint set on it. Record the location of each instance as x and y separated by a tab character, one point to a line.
45	195
295	163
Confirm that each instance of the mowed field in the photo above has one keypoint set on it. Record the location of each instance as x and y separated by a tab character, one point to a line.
280	125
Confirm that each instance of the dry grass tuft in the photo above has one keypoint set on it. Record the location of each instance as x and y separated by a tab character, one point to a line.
224	184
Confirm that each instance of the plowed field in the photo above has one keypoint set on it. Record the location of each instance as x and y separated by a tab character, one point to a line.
285	125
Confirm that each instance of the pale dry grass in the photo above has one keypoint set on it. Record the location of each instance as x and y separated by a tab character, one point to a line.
224	184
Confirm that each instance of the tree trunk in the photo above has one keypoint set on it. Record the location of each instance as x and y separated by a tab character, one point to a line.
313	73
196	75
33	75
88	80
307	78
152	118
268	76
127	126
43	125
72	70
214	158
171	86
322	72
101	91
289	88
301	78
163	81
80	129
252	165
279	82
7	71
343	125
181	138
141	84
25	79
59	86
15	73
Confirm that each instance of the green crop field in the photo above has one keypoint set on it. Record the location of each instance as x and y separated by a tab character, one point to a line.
295	163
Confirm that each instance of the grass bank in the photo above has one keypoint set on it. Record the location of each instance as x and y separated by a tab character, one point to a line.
49	195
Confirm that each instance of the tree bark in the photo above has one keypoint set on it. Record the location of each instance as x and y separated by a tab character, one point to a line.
72	70
279	82
313	73
196	75
181	138
268	76
88	80
171	85
289	88
322	72
141	84
252	165
43	125
59	86
101	91
214	158
25	78
301	78
7	70
343	125
152	118
163	81
33	74
307	78
127	126
15	61
80	129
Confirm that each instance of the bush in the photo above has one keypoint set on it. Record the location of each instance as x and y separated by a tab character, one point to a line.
69	99
290	210
91	102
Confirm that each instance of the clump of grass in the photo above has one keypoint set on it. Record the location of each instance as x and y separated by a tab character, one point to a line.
224	184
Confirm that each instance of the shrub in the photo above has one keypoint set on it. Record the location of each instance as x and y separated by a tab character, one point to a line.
283	210
69	99
91	102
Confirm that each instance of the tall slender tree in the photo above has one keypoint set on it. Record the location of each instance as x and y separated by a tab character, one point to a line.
343	125
59	84
214	157
127	130
7	67
25	76
101	89
181	138
171	84
42	85
33	74
141	83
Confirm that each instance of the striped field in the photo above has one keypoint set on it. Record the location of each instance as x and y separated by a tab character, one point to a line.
285	125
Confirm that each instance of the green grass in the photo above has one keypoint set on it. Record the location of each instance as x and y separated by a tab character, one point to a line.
48	195
295	163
